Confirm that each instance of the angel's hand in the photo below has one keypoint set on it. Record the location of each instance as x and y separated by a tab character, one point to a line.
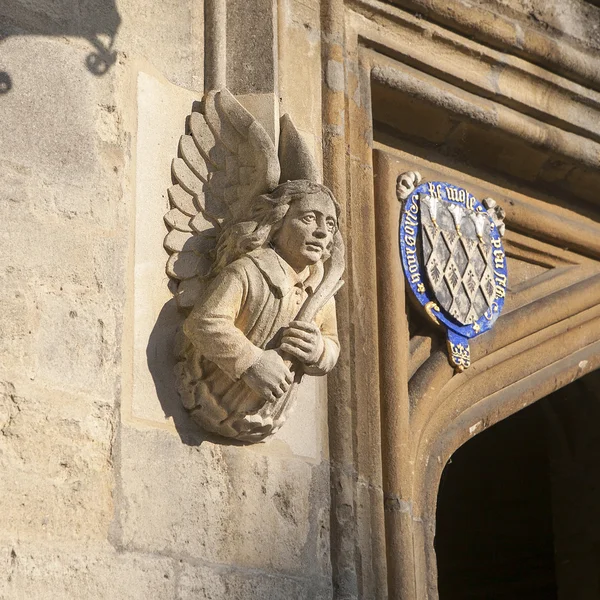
269	376
304	341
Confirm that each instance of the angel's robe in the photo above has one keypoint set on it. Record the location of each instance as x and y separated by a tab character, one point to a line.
244	312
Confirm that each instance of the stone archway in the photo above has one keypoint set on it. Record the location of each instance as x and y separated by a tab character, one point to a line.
547	338
494	533
518	504
420	97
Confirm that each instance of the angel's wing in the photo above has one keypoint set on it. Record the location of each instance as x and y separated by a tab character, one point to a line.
224	163
295	157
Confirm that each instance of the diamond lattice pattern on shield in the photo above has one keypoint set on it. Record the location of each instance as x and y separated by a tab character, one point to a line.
459	266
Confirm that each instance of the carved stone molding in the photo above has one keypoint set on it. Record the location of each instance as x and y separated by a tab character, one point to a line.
549	335
421	97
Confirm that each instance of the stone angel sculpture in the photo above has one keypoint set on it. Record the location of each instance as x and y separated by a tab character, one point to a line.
256	257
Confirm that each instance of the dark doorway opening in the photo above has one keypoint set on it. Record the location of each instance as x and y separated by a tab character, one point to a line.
518	514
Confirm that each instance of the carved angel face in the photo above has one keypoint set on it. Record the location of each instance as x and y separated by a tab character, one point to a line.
306	231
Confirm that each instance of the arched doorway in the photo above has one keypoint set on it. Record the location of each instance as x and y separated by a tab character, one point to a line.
397	410
518	505
548	337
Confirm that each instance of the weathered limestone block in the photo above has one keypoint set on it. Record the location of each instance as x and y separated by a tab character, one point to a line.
50	571
63	169
251	46
205	583
161	112
62	309
237	507
300	70
79	335
169	36
58	319
18	320
62	155
55	464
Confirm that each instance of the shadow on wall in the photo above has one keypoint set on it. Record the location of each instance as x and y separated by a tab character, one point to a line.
96	21
160	358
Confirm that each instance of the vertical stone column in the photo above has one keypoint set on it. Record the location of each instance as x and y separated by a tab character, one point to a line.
215	44
341	443
250	54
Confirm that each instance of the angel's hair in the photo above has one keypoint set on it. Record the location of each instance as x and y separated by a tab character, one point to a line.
258	227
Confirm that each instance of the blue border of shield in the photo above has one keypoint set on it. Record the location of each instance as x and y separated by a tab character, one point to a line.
416	276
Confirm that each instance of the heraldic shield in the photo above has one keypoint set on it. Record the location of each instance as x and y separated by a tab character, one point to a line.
458	261
454	260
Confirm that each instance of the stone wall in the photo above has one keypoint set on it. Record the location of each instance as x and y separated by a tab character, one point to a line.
107	488
575	19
